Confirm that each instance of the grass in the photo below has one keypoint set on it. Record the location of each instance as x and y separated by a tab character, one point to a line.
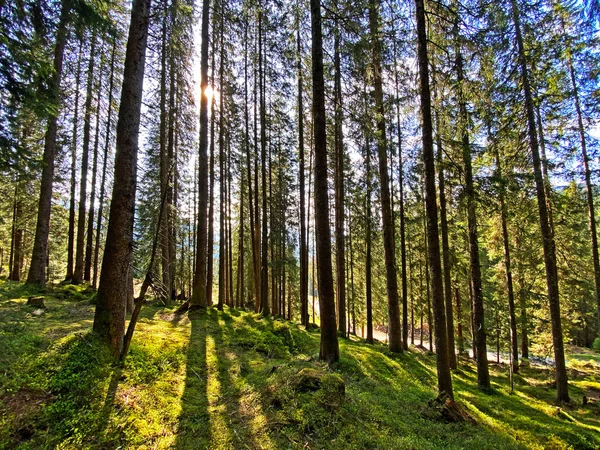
232	380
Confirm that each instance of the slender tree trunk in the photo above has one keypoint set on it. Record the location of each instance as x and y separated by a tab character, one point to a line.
222	249
368	237
339	183
445	243
104	162
402	215
37	269
211	199
329	351
163	226
71	232
441	343
109	318
16	260
303	235
264	270
89	246
588	185
508	269
483	374
199	295
395	336
78	273
562	389
459	329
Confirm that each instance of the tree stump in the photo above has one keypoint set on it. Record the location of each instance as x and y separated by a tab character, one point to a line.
38	302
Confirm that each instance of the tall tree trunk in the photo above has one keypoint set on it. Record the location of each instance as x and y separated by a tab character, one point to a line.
109	319
104	162
508	269
71	232
402	215
211	199
222	250
303	235
163	226
339	183
264	269
171	208
78	273
89	246
562	388
483	374
433	239
395	336
588	185
445	241
37	269
329	350
199	296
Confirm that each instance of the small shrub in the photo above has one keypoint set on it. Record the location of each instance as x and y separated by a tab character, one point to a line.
596	345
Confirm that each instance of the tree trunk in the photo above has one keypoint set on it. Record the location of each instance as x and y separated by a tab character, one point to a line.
303	235
562	389
443	365
339	184
71	232
78	273
211	199
264	269
329	351
89	246
109	319
104	162
199	295
483	374
395	336
37	269
368	237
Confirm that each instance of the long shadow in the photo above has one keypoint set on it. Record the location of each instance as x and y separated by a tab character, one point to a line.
194	430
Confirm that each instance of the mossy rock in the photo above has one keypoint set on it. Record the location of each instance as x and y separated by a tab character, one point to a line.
308	380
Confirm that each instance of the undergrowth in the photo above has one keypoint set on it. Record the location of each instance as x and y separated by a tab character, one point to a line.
235	379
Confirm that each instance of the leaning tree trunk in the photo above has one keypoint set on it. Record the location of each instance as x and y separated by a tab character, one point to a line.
37	268
109	319
329	351
433	239
562	388
395	336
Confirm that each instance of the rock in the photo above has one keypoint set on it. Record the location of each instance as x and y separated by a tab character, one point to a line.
38	312
36	301
309	380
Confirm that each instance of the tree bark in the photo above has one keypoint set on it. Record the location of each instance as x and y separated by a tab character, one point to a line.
78	273
443	365
71	232
39	256
199	295
483	374
109	318
329	349
562	388
395	336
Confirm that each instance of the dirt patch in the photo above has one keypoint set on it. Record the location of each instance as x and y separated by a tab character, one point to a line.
21	407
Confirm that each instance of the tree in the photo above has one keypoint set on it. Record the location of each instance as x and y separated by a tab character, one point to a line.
329	351
433	240
109	318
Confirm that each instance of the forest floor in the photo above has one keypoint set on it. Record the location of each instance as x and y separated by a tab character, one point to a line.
234	379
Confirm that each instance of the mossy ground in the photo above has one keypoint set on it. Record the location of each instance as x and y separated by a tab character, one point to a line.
230	380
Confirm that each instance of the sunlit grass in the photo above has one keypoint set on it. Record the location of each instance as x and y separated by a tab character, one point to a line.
224	380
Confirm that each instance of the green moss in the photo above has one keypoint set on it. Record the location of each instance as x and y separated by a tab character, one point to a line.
230	380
